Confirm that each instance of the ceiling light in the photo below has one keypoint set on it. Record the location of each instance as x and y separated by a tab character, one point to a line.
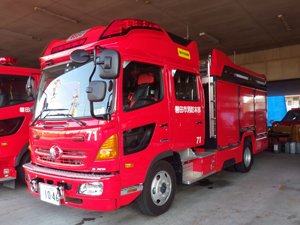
54	14
284	23
208	38
15	34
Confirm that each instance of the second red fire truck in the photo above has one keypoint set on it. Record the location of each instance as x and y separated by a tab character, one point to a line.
14	119
123	113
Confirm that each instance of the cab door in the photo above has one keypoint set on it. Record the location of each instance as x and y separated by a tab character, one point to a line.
187	110
144	119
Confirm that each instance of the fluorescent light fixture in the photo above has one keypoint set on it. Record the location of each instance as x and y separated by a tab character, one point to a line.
15	34
284	23
54	14
241	76
208	38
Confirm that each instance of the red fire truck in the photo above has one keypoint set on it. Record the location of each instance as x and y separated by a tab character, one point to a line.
14	119
124	114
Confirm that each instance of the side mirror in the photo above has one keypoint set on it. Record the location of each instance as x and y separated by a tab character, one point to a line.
109	61
96	91
80	56
30	87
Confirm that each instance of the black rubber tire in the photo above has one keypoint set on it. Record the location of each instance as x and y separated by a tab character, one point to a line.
145	202
245	165
230	168
20	170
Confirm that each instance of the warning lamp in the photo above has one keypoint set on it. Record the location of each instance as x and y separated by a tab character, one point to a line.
69	45
123	26
7	61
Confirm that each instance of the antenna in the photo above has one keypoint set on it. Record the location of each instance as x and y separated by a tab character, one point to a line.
187	33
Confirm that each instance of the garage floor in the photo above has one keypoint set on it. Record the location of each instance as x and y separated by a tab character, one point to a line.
268	194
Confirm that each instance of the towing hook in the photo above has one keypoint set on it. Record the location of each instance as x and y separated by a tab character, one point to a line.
61	191
34	185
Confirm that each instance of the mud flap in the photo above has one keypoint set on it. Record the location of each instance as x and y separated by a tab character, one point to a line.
10	184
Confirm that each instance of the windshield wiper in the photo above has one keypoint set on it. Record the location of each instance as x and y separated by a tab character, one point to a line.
44	110
71	117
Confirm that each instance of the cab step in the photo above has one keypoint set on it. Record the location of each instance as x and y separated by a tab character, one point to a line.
197	165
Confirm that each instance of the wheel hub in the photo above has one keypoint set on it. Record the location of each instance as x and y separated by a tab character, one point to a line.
161	187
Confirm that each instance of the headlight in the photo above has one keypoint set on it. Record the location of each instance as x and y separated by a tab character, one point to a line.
94	189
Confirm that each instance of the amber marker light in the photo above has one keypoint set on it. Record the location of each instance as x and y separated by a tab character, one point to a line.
128	165
4	144
109	149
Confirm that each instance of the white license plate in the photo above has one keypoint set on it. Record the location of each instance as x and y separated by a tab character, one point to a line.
49	193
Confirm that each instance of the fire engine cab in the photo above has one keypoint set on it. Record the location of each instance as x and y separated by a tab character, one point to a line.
123	113
14	119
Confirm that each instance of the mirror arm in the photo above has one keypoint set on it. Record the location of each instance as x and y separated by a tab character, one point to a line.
103	116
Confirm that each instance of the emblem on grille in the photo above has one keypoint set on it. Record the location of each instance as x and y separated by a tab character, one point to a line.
55	152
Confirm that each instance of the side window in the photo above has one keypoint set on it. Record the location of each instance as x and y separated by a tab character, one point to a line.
12	90
142	86
185	85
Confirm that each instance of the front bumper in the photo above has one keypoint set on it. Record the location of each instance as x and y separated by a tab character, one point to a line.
70	181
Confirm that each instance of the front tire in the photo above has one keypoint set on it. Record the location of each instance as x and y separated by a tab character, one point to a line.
247	160
159	190
20	170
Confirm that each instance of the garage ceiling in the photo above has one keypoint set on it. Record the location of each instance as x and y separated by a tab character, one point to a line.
239	25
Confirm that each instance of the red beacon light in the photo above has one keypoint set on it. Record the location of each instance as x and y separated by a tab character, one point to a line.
8	61
123	26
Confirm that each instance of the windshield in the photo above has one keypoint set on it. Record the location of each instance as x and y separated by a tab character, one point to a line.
62	92
12	90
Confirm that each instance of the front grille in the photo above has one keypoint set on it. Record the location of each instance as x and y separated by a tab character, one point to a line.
68	157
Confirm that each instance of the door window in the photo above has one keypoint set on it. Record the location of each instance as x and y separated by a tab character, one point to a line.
142	86
185	86
12	90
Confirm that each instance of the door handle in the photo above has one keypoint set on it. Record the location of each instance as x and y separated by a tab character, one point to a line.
164	125
199	122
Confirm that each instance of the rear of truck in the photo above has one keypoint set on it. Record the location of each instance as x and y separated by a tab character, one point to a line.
14	119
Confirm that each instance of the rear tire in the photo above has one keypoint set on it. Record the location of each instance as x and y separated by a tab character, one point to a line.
20	170
159	190
247	160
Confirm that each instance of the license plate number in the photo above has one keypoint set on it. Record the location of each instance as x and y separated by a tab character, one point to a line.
49	193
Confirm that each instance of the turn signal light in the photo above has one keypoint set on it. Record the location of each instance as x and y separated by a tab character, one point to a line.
128	165
109	149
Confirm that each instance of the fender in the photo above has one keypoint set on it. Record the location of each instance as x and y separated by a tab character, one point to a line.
249	135
22	152
157	158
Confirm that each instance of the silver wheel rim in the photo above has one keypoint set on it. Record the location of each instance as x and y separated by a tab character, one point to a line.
247	156
161	187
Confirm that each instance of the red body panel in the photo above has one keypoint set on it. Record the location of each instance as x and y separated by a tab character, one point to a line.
178	123
228	114
11	145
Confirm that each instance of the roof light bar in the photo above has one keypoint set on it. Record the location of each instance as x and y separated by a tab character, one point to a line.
8	61
68	46
123	26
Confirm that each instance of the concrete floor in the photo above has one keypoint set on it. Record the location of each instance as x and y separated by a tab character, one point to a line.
268	194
